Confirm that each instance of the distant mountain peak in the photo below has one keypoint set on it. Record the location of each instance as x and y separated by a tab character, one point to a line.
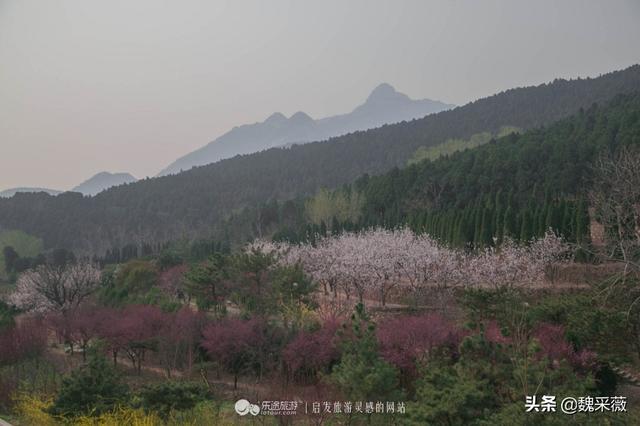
276	117
103	180
300	117
385	92
383	106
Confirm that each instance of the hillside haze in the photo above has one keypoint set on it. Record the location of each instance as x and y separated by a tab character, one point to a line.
196	203
383	106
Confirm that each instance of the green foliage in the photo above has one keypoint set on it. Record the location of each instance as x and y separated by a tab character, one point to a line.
488	385
447	395
462	198
208	282
130	283
6	316
291	292
482	304
326	206
165	397
25	245
92	389
252	286
361	374
170	257
454	145
589	323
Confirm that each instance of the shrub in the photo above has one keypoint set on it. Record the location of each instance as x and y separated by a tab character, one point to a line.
165	397
91	390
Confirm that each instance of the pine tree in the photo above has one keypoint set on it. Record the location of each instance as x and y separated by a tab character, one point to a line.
362	375
509	223
92	389
486	233
498	218
525	226
582	223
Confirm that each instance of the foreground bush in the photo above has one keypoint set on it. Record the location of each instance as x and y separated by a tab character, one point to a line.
35	410
91	390
165	397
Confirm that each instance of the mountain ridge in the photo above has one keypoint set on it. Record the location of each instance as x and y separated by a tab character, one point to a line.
384	105
10	192
97	183
194	204
102	181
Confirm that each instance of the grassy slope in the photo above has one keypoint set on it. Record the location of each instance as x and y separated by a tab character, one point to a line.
23	243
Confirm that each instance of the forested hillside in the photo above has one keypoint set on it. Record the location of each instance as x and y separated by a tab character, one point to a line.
518	186
194	203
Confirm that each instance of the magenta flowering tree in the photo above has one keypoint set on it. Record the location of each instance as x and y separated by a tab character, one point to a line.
493	333
409	341
311	352
553	344
233	343
555	347
140	326
179	338
77	327
26	339
133	330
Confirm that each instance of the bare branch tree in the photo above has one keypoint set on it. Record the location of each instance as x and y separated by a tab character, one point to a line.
616	203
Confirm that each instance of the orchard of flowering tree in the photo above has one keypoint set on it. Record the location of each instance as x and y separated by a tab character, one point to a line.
378	262
376	315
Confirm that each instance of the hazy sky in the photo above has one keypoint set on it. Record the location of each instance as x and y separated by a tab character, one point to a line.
131	85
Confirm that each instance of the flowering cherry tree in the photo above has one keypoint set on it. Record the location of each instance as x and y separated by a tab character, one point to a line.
55	288
379	261
516	265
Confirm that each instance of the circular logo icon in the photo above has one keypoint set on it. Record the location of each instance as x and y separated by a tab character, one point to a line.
242	407
255	410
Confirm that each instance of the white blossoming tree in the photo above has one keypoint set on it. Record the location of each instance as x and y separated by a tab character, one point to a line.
50	288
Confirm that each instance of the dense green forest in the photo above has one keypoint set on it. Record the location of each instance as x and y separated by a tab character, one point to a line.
196	203
519	186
